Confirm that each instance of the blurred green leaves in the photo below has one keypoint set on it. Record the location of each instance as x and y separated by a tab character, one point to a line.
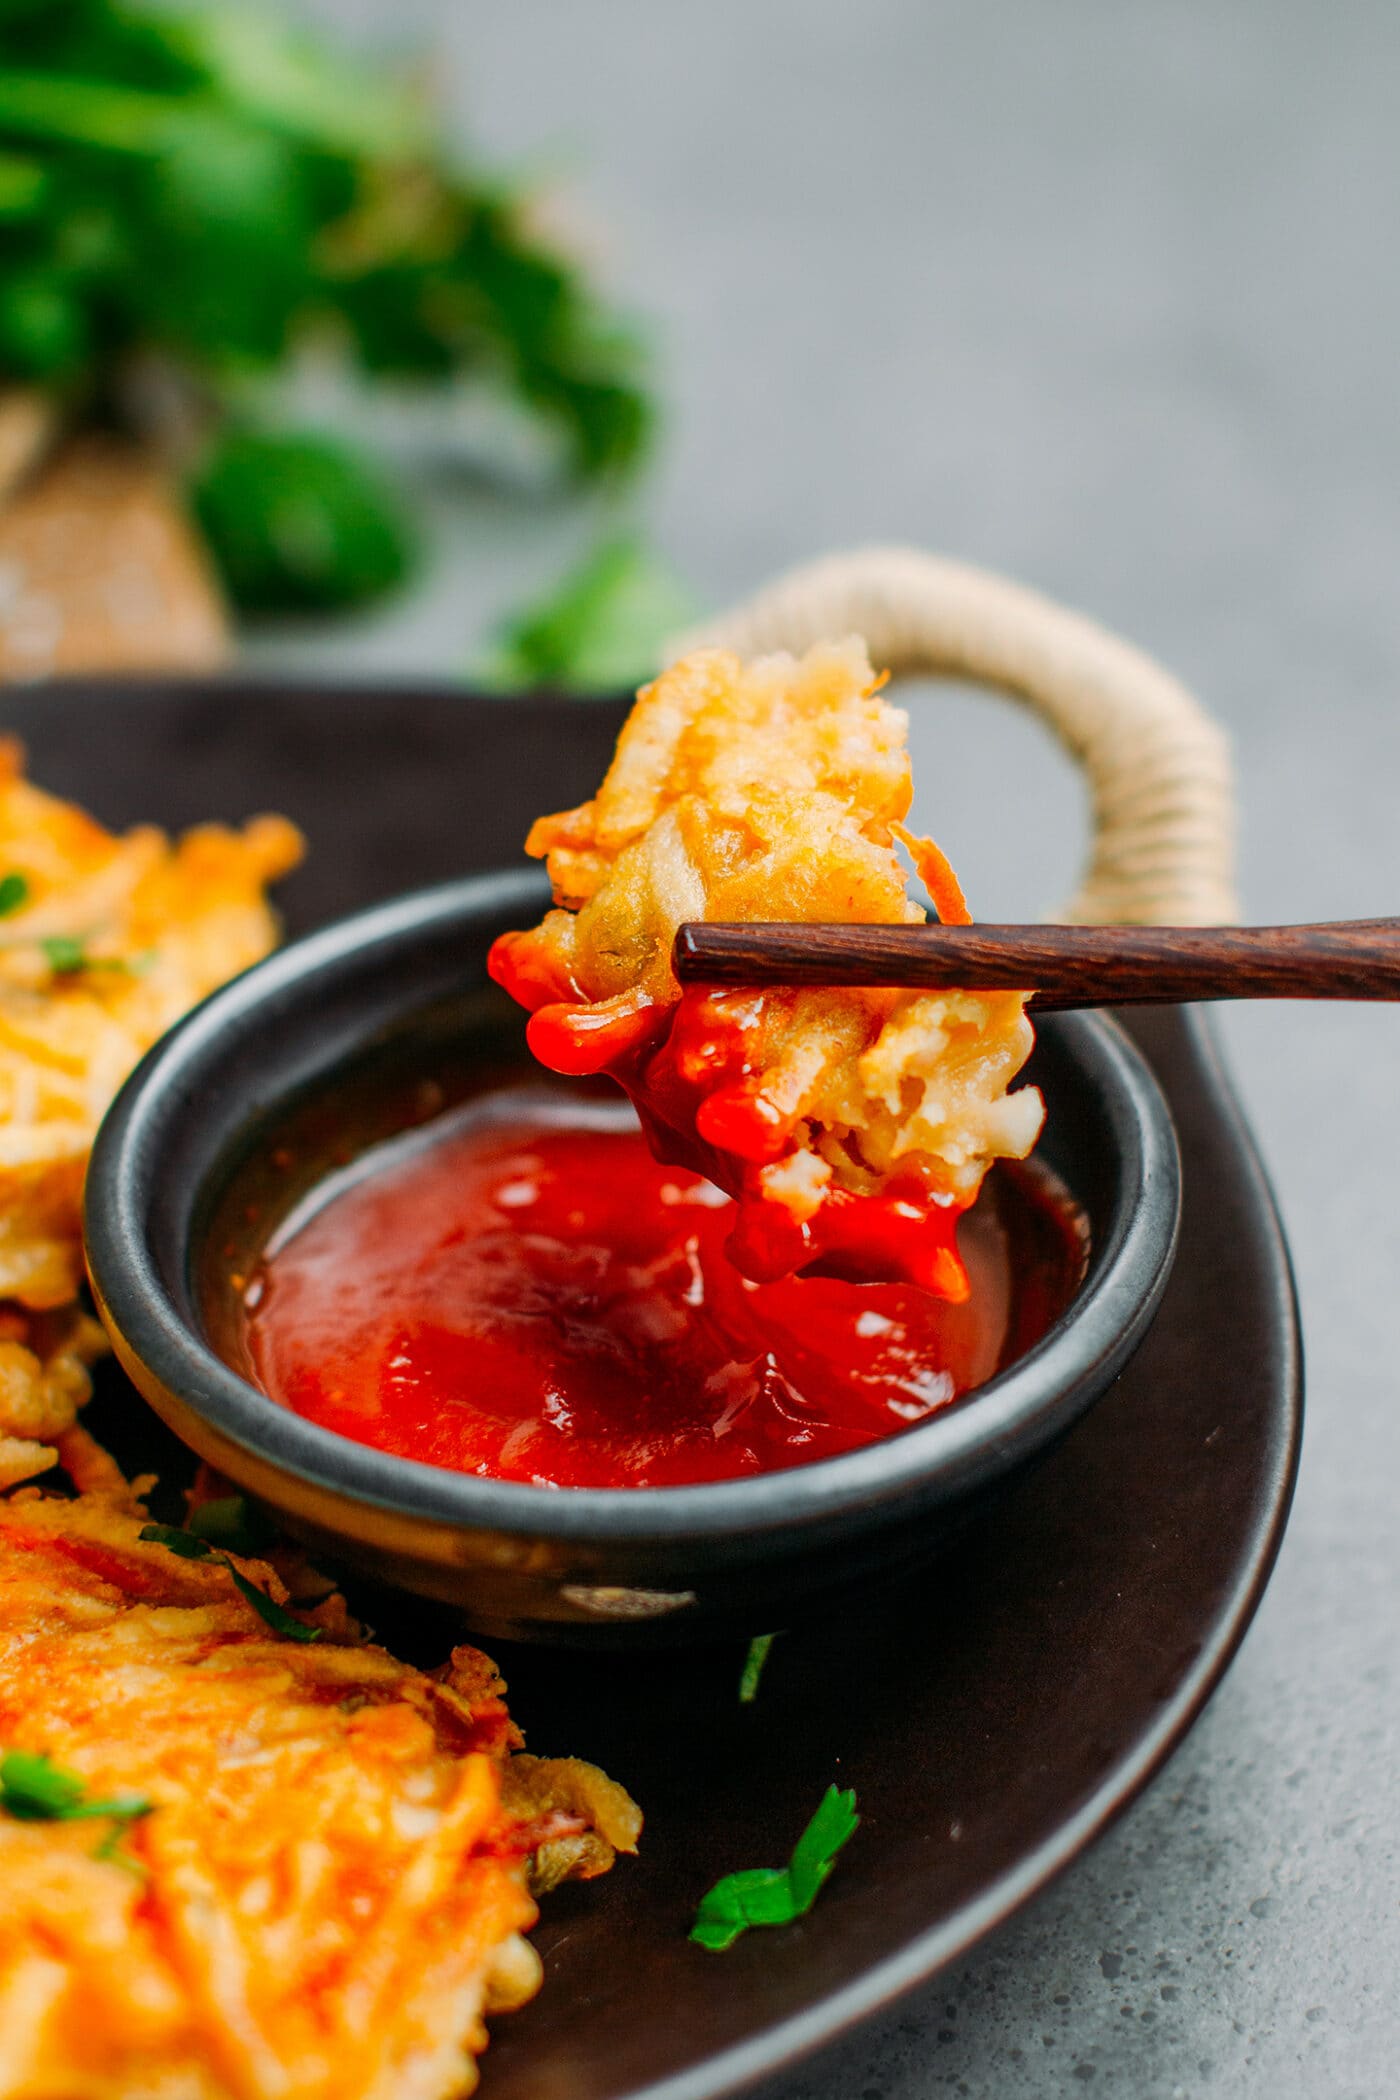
289	82
22	186
603	629
298	523
207	189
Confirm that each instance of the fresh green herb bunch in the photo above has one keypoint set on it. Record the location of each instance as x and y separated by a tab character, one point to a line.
185	196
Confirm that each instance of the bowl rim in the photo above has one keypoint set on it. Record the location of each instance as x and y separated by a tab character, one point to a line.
1014	1414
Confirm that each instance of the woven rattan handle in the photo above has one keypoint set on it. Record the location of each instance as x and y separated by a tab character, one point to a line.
1158	767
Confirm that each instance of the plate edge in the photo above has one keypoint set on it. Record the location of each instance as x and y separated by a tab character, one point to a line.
802	2036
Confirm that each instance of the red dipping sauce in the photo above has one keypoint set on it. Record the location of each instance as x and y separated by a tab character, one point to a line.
521	1291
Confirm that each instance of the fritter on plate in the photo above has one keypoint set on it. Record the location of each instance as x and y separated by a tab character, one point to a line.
244	1855
328	1889
105	941
853	1126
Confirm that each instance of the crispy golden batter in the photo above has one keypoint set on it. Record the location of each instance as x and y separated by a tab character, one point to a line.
331	1888
774	790
111	940
44	1360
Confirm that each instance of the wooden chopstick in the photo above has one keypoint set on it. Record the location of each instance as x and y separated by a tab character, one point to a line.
1065	966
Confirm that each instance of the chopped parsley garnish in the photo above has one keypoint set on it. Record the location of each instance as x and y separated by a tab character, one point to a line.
110	1848
65	954
190	1546
753	1667
33	1790
273	1614
777	1895
228	1521
14	891
185	1543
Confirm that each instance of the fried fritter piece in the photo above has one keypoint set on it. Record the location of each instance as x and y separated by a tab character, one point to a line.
104	943
44	1359
853	1126
553	1793
330	1889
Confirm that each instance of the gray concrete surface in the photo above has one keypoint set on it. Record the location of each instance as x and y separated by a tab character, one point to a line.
1108	296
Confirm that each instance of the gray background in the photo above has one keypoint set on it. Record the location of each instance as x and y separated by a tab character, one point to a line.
1107	296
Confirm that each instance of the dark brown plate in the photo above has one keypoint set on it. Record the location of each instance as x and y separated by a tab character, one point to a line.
995	1713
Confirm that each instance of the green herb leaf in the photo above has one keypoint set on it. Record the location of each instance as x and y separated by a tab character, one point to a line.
129	1808
814	1854
42	327
275	1615
191	1547
110	1848
65	954
185	1543
285	79
34	1790
14	891
777	1895
298	523
23	184
603	629
229	1521
102	115
574	364
753	1667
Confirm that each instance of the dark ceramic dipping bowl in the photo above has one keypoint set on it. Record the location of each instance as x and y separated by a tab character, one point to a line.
356	1033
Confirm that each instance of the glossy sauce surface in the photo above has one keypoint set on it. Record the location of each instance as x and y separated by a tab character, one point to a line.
521	1291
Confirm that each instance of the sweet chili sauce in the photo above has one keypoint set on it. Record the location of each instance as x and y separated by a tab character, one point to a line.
520	1290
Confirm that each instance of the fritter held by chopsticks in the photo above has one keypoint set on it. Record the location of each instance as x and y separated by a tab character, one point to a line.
853	1126
251	1861
104	942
